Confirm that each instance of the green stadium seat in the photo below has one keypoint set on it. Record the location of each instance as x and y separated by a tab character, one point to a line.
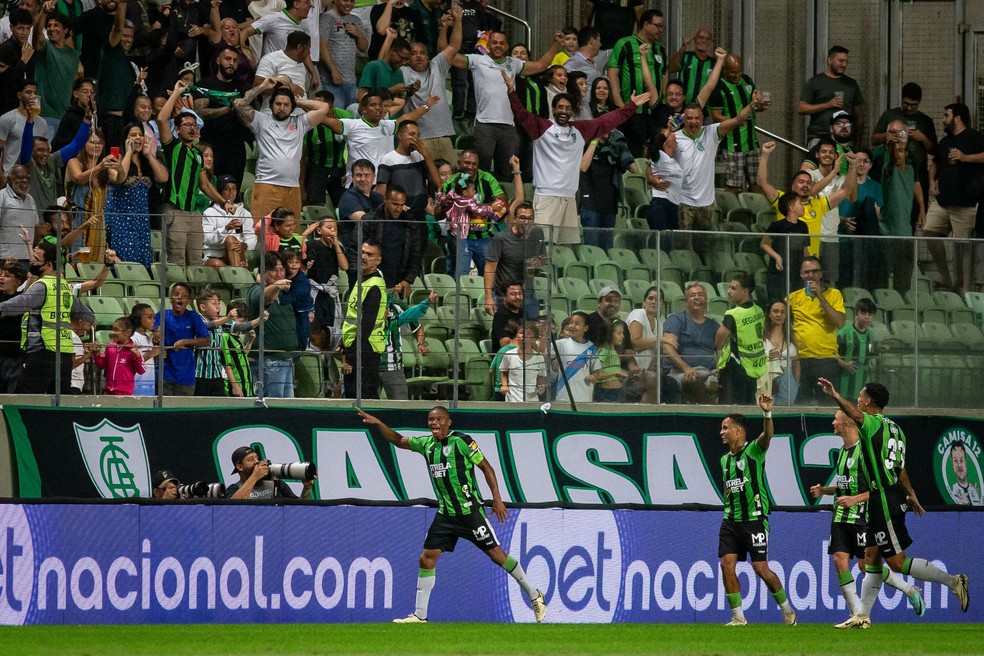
241	279
106	308
310	376
755	202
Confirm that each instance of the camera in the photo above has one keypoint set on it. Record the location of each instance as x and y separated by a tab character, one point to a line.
201	490
293	471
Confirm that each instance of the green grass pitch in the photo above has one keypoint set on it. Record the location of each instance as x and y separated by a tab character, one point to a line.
474	639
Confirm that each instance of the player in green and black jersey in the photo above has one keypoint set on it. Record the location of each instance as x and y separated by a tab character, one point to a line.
745	529
452	458
890	494
848	531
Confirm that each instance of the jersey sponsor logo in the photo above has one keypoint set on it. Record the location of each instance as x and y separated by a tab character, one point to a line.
844	483
116	459
439	469
957	467
735	485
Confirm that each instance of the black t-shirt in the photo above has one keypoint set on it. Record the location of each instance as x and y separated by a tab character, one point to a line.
322	261
499	321
597	191
10	332
511	253
403	20
614	19
264	490
595	322
225	130
95	26
796	244
475	19
960	182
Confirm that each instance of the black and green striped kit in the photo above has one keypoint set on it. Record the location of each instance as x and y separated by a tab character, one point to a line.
745	496
452	468
184	165
850	481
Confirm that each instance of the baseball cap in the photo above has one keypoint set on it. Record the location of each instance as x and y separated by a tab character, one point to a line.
162	477
839	114
238	455
606	290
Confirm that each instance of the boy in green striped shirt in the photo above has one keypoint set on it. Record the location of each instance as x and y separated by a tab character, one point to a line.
848	531
891	494
452	458
745	529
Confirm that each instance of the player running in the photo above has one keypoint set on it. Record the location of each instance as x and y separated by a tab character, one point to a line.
848	530
745	529
452	458
883	454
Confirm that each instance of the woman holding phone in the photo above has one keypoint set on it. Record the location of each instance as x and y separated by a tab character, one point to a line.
127	221
88	175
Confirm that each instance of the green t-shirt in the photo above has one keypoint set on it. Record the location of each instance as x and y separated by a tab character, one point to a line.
854	347
378	73
279	331
452	468
745	497
55	71
114	78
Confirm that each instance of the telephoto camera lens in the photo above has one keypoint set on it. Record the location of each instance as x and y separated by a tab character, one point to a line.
201	490
293	471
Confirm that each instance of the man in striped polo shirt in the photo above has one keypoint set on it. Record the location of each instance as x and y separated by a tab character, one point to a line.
186	175
848	530
891	494
626	77
734	92
452	458
693	68
745	529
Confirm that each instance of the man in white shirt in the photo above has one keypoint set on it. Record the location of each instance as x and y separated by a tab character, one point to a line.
697	147
557	149
12	123
495	132
16	209
279	142
275	27
287	64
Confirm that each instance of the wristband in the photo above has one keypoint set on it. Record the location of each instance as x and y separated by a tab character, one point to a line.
517	173
767	415
594	142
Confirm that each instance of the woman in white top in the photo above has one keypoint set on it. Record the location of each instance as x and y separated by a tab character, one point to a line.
644	329
666	179
781	378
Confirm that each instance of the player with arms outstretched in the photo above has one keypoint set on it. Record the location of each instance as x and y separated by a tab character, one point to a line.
745	529
891	493
452	458
849	527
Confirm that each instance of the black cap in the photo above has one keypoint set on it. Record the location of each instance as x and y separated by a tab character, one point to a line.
839	114
238	455
162	477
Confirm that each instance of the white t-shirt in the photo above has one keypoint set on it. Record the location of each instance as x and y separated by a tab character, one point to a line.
695	155
11	128
579	359
437	121
278	63
557	160
667	168
491	98
277	26
279	145
644	358
146	345
830	222
522	384
214	222
15	212
367	142
78	373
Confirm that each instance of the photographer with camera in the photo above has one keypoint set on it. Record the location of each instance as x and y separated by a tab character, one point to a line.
166	486
257	482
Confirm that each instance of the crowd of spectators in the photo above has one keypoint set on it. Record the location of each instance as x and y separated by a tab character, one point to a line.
220	122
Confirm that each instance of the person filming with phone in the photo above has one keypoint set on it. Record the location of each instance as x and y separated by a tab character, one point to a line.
817	314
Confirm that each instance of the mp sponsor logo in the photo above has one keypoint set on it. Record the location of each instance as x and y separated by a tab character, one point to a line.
577	564
116	459
16	565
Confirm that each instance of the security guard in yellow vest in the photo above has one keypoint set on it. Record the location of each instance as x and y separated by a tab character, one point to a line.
48	307
366	306
740	343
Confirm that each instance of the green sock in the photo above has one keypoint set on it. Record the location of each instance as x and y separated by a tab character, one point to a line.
845	577
734	601
516	571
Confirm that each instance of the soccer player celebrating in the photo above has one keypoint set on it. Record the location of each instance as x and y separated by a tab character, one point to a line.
745	529
452	458
848	530
883	456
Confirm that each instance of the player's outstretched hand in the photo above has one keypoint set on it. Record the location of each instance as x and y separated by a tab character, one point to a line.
826	386
368	418
765	402
500	511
